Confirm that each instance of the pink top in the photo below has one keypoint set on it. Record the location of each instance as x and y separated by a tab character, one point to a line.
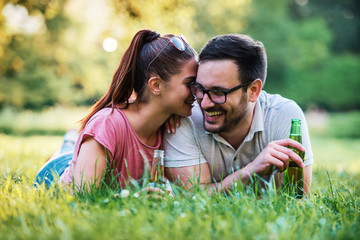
128	154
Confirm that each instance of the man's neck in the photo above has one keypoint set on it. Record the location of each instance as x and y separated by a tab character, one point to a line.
236	136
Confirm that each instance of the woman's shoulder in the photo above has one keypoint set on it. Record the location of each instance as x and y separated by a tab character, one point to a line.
111	114
108	118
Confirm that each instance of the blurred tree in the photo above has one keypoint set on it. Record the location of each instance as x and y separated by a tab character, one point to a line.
341	16
163	16
197	20
302	63
52	51
33	73
219	17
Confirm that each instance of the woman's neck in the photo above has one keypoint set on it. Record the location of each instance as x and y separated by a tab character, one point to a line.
146	120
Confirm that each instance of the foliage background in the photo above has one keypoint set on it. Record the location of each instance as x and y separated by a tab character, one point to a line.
53	65
51	51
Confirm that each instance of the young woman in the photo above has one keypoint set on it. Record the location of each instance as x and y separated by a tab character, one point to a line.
123	134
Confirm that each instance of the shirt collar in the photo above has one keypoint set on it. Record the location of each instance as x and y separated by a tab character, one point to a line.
257	124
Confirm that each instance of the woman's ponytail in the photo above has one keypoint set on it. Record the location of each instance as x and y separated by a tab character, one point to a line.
135	69
124	79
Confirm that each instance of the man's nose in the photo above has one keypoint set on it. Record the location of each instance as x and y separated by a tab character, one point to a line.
206	102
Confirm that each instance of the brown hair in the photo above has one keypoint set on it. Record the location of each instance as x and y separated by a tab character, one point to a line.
248	55
133	71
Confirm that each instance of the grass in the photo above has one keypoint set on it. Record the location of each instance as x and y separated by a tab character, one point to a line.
52	121
332	211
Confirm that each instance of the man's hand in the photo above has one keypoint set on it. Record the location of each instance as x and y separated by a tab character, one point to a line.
275	154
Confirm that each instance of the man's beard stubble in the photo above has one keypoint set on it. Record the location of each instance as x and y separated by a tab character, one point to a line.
231	119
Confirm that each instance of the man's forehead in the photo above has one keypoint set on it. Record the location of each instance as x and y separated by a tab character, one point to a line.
217	62
217	71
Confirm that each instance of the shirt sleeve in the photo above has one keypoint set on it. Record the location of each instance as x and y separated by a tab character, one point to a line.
282	124
182	148
102	129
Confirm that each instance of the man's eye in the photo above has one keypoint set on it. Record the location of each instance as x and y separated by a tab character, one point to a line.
217	93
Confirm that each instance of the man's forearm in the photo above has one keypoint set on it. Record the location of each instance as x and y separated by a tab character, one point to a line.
244	175
228	182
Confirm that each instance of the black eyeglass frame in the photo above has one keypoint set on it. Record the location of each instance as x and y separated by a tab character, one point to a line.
181	48
207	91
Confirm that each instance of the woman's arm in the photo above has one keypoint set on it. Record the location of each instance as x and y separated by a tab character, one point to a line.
90	164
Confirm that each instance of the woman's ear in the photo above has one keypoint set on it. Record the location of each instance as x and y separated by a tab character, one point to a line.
254	90
154	84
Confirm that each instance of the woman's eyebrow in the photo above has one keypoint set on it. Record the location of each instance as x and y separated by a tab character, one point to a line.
192	78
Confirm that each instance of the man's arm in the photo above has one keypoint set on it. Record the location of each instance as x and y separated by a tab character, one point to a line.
275	154
200	174
307	178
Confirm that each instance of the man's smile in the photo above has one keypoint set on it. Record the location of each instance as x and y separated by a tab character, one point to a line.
213	114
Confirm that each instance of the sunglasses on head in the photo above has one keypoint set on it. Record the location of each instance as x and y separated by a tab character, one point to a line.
179	42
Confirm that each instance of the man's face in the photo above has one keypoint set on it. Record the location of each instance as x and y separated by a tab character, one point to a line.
221	74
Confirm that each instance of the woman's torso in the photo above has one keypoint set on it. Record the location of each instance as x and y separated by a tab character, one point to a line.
128	154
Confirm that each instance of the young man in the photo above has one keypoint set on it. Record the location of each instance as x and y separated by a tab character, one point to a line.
236	130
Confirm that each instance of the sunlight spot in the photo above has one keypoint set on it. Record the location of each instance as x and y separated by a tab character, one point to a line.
18	19
301	2
110	44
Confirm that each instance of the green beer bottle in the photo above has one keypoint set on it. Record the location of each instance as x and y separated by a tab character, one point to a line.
294	175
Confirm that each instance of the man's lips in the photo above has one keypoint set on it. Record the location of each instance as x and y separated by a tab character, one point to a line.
214	113
212	116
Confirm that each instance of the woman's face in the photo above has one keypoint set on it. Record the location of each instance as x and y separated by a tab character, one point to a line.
176	97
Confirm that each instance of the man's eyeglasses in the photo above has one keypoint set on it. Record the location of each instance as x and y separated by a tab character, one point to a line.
216	95
177	41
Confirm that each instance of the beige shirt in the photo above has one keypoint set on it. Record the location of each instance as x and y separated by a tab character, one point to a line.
192	145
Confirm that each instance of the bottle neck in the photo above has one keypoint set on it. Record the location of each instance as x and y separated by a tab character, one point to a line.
158	158
295	131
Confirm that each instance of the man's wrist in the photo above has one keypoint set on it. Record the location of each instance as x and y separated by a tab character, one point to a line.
245	174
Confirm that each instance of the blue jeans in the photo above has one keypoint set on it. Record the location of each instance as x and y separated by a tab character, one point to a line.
55	166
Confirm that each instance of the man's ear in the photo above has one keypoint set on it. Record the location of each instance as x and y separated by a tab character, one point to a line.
155	84
254	90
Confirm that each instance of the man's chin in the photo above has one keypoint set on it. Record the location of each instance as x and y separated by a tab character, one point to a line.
213	128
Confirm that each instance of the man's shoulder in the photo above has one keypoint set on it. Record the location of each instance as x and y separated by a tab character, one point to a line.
196	117
278	111
274	101
275	104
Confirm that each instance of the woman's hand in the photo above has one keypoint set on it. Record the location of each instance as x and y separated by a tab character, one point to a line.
172	123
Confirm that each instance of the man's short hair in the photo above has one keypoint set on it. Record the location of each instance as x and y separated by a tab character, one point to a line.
248	55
